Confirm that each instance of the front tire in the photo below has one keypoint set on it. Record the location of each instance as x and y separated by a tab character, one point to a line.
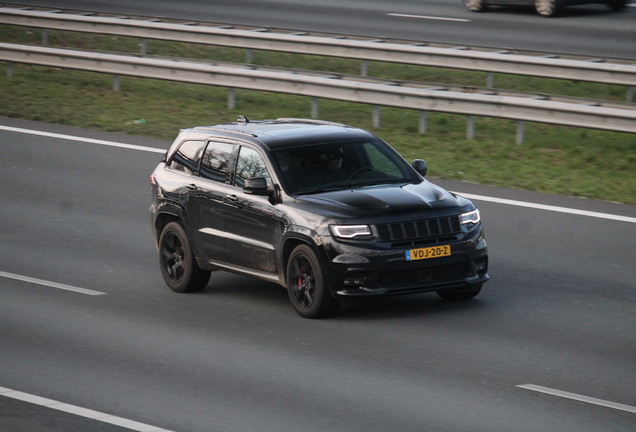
178	266
306	286
460	293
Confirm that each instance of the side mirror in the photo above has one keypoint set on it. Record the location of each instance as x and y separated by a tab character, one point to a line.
420	166
257	186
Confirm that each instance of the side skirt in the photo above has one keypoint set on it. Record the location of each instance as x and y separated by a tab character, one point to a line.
217	265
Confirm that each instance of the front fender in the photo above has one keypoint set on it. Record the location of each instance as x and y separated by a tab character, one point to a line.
292	237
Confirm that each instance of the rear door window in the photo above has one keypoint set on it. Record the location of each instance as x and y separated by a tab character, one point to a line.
216	161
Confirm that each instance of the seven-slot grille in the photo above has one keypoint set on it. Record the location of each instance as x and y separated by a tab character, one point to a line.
420	229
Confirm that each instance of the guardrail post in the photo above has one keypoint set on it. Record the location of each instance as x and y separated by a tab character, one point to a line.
249	56
10	68
364	68
116	83
315	107
376	120
45	36
520	132
470	127
630	94
231	98
143	46
490	80
423	124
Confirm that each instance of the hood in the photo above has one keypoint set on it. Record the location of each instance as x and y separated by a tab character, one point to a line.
383	200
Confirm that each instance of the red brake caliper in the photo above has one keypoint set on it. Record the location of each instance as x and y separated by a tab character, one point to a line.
300	277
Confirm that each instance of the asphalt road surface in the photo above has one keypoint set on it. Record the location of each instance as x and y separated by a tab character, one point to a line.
87	323
590	30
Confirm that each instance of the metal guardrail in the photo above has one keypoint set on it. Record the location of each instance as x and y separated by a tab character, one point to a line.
621	117
602	71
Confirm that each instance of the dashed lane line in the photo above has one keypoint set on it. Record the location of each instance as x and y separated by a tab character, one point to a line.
50	284
425	17
578	397
79	411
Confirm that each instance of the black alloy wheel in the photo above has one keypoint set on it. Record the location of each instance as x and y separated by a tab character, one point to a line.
176	259
306	286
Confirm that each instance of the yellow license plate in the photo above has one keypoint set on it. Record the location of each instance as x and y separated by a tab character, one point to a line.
428	252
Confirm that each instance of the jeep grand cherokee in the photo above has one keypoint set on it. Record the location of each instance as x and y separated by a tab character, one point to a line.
324	209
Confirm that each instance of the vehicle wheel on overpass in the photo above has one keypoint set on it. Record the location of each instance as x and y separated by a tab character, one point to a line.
460	293
617	5
475	5
547	8
178	267
306	285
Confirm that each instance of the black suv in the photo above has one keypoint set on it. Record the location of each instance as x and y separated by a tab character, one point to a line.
324	209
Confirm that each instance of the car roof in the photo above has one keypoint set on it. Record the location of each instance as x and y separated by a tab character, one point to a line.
281	133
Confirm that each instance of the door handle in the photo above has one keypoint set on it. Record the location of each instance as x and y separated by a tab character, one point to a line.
232	198
191	186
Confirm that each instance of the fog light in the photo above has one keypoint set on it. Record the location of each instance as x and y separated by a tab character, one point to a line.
350	259
481	266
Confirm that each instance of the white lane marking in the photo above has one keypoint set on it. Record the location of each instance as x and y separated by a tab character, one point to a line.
469	196
399	15
50	284
549	208
578	397
82	139
79	411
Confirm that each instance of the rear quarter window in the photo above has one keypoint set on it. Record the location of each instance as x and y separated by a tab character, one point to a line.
187	157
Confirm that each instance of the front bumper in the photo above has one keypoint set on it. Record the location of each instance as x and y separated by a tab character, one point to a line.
380	272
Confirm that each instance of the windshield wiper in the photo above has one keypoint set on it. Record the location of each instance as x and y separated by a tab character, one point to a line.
383	182
321	189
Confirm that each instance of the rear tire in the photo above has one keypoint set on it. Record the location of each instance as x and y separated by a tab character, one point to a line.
308	291
460	293
178	266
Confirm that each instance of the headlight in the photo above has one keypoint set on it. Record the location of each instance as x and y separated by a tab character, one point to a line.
350	231
472	217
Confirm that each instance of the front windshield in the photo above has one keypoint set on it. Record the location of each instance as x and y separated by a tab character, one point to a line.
324	167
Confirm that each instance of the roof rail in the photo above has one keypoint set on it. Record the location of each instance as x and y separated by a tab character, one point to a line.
228	131
320	122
